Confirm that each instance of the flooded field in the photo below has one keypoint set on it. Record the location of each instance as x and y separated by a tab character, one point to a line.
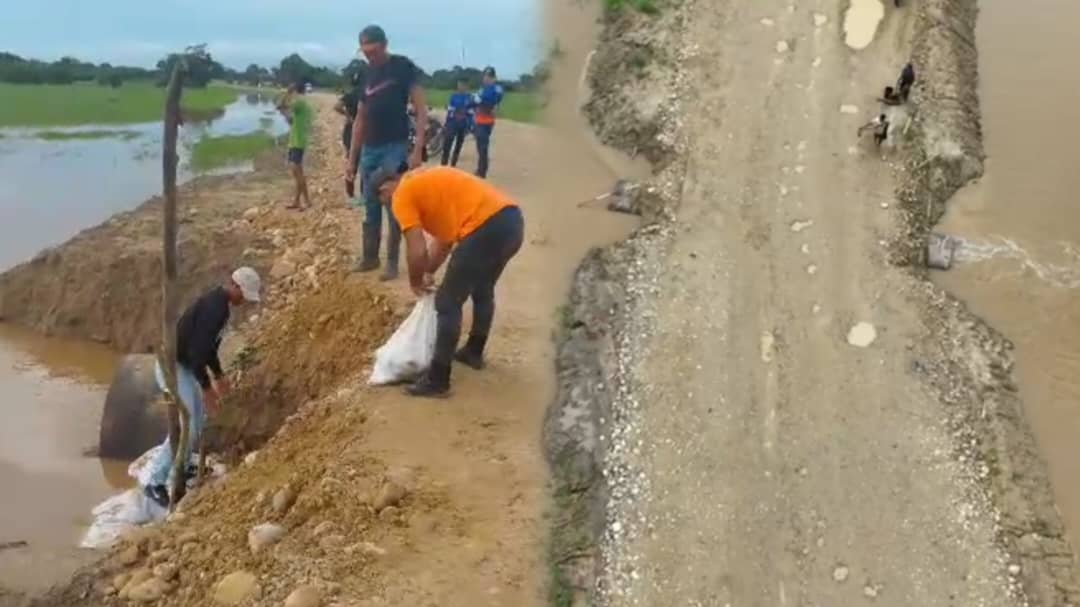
57	181
52	396
1020	264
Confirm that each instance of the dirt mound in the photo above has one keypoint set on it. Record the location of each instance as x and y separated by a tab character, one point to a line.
346	519
327	336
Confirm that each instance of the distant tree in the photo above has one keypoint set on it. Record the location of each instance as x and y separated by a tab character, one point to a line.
201	67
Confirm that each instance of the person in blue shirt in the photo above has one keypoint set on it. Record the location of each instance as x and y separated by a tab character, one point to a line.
459	116
487	101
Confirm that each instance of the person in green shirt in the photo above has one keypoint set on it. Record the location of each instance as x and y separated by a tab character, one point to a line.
297	112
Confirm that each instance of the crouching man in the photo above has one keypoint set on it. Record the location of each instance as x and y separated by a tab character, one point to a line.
480	228
198	336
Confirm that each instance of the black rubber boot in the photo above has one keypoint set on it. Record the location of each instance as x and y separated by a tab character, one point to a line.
393	250
369	262
158	493
433	384
472	354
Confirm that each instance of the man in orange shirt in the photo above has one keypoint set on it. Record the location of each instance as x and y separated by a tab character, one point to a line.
483	228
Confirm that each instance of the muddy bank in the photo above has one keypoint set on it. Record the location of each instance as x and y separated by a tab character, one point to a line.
632	107
965	360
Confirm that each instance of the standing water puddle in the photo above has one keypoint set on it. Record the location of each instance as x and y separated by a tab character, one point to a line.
861	21
1019	265
53	391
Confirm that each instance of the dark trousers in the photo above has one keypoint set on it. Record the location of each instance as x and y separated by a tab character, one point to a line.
482	132
455	138
474	267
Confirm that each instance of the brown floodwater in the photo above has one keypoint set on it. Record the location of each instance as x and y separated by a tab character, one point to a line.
51	394
1020	265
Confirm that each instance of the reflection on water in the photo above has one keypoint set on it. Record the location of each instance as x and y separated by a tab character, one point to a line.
50	189
1020	267
51	394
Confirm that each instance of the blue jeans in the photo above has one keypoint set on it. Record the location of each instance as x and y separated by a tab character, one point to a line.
191	398
482	132
372	158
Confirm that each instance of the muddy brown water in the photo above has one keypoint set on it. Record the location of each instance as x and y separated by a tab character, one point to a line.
1020	265
52	395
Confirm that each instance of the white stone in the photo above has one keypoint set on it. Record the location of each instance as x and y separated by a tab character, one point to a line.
862	335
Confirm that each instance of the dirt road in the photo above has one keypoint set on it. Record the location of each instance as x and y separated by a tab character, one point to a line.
774	462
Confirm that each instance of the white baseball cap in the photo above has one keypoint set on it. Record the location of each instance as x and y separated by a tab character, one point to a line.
248	281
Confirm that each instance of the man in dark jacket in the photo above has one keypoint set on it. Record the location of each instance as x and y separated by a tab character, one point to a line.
199	377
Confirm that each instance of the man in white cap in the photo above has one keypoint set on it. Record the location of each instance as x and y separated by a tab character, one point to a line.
199	378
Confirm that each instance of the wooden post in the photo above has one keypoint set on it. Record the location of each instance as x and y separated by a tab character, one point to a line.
179	424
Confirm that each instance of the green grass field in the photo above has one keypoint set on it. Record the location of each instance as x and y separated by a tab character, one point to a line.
519	107
215	152
77	104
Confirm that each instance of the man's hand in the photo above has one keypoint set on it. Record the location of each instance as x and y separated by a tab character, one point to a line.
416	158
425	287
211	401
350	170
223	386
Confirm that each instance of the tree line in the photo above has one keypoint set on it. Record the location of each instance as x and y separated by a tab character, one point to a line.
203	68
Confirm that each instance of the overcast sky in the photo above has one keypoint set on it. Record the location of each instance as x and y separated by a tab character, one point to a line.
503	33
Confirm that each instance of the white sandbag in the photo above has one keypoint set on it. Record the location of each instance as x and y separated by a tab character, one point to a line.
132	508
118	514
409	350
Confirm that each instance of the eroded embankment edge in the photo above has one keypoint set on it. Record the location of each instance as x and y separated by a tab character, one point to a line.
963	359
634	106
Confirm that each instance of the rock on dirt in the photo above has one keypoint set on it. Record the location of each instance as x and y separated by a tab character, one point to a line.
304	596
166	571
235	588
263	536
149	591
129	556
283	500
862	335
391	494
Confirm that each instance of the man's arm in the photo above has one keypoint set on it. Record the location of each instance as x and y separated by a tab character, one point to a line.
357	138
416	254
419	103
437	254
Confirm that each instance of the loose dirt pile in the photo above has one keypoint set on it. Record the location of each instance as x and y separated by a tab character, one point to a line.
327	336
334	518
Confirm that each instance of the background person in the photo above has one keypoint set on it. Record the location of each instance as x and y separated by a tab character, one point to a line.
459	118
346	106
380	139
482	226
198	336
297	113
487	101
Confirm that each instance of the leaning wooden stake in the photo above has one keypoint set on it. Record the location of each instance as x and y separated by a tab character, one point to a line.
179	423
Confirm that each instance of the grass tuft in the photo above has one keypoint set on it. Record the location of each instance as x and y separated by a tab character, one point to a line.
646	6
81	135
215	152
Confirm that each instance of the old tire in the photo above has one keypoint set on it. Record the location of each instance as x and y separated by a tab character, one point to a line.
133	419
